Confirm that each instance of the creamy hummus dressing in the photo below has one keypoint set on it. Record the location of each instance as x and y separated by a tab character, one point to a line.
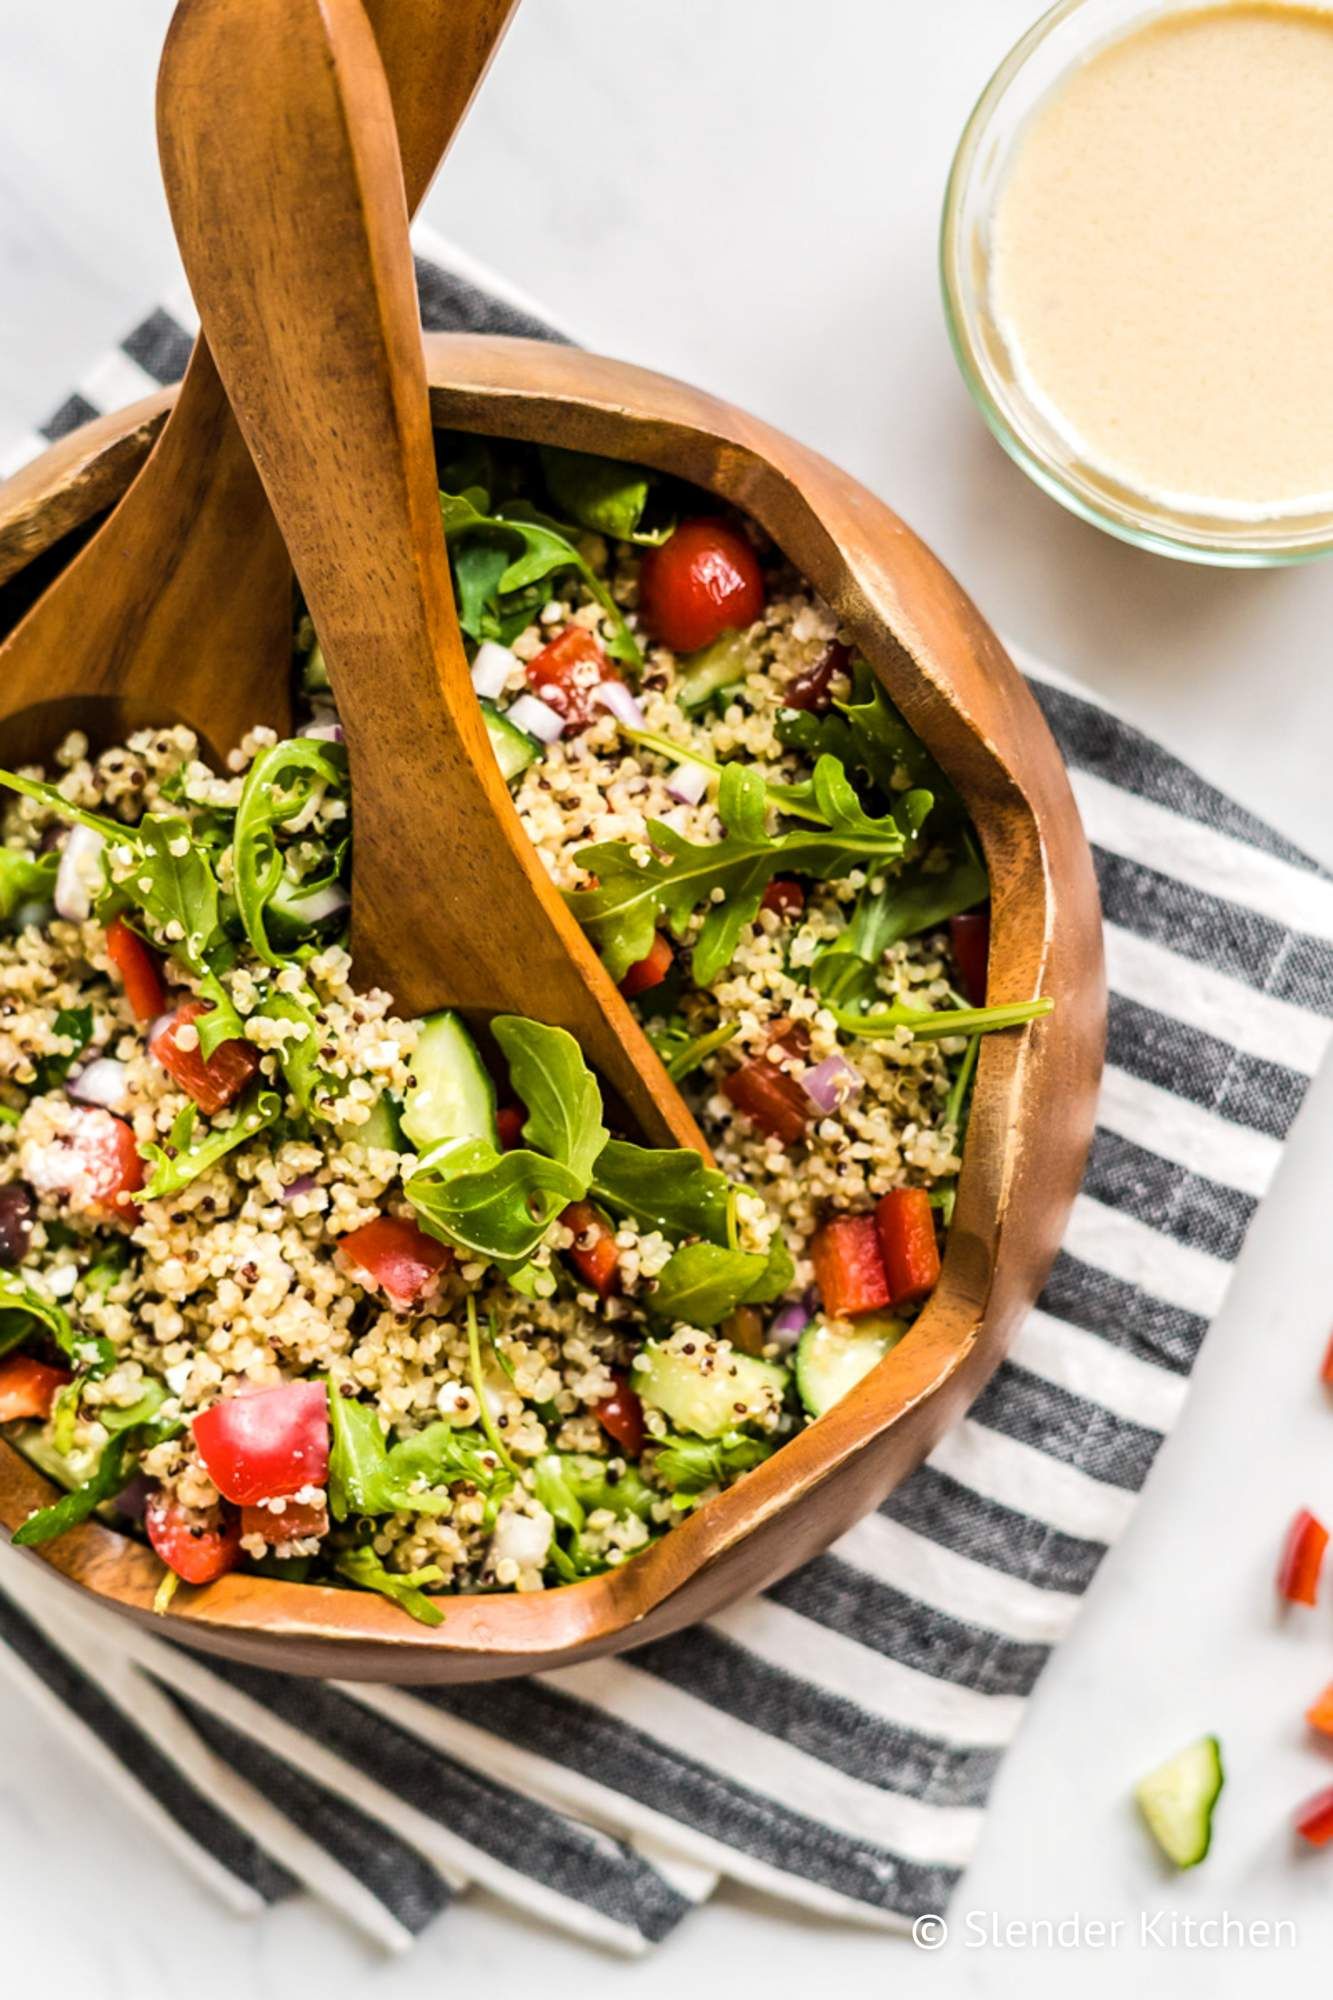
1162	259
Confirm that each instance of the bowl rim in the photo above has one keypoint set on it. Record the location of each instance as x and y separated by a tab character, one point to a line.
922	637
1177	543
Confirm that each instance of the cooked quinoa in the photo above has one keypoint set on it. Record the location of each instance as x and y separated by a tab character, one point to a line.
194	1212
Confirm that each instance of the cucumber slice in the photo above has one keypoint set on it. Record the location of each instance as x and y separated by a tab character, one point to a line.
453	1096
514	748
380	1129
718	666
707	1404
1177	1800
828	1364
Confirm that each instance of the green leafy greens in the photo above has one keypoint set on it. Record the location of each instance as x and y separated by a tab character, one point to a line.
183	1158
501	558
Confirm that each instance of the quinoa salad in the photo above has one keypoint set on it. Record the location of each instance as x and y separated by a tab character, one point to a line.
293	1285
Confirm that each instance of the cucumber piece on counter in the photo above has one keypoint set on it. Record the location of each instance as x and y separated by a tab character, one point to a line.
705	1404
828	1364
514	748
1177	1800
453	1096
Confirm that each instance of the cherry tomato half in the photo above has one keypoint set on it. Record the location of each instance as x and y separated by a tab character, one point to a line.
593	1254
268	1444
392	1255
197	1545
213	1084
704	581
567	673
621	1416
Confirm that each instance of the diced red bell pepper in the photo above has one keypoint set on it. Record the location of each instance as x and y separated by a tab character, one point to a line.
1319	1714
812	688
268	1444
566	674
650	971
140	970
704	580
213	1084
593	1254
509	1122
298	1521
1326	1372
28	1388
1314	1821
396	1257
849	1269
197	1545
1302	1559
621	1416
908	1245
784	896
93	1165
969	935
769	1095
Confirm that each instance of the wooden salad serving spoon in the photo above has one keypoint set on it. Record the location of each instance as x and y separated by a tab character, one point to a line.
281	164
180	607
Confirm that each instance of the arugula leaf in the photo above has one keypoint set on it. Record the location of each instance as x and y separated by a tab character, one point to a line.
601	494
550	1077
703	1283
279	787
497	1205
183	1158
666	1188
364	1568
21	1306
369	1476
478	567
681	1052
913	901
933	1024
25	878
688	1465
53	798
106	1481
537	551
299	1056
221	1023
72	1024
622	913
866	734
65	1409
571	1486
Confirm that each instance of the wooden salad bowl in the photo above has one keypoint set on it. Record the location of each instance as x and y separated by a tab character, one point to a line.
1032	1112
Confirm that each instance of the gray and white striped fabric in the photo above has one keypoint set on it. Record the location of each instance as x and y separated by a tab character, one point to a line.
834	1740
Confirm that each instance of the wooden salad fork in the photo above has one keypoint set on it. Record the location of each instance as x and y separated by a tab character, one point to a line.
179	609
281	165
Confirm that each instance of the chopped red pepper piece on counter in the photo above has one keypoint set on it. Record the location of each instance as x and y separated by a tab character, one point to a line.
1319	1714
197	1545
812	688
704	580
650	971
28	1388
969	935
594	1254
396	1257
621	1416
509	1122
849	1269
784	896
213	1084
1302	1559
567	673
297	1522
908	1244
1326	1372
771	1096
140	970
1314	1821
266	1445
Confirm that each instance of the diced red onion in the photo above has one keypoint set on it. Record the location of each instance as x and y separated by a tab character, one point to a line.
320	903
688	783
539	719
103	1081
303	1184
78	874
323	732
617	697
791	1320
491	669
831	1084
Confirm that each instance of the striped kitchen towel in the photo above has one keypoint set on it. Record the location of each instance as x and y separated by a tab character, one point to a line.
834	1740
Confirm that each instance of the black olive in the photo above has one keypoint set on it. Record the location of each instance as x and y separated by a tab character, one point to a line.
17	1210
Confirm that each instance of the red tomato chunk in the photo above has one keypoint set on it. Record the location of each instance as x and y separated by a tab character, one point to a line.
848	1267
621	1416
198	1546
299	1521
970	937
769	1095
393	1256
567	673
650	971
140	970
704	581
266	1445
594	1254
509	1122
908	1245
93	1165
28	1388
784	896
213	1084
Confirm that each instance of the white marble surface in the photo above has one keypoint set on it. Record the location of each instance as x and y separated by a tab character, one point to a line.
747	194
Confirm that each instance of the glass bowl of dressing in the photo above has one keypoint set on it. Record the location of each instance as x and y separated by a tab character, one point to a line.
1137	262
